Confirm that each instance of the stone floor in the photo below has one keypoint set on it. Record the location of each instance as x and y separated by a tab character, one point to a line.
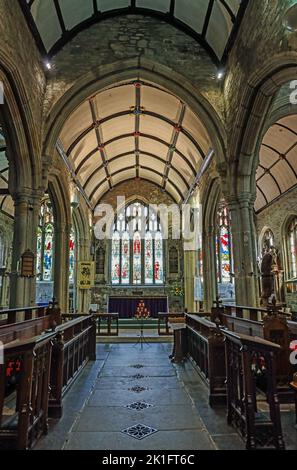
96	413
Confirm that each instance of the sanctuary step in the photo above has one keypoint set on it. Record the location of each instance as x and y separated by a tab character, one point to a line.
134	324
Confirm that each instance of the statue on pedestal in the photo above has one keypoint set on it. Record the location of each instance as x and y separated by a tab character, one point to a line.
271	276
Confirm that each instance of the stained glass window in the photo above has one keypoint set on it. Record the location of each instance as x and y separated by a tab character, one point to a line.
115	258
158	267
137	247
223	248
292	249
45	242
148	258
225	277
72	256
125	261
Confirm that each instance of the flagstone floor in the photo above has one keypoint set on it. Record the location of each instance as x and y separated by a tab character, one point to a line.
133	398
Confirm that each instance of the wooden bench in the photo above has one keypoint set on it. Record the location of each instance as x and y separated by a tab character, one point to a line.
206	348
260	429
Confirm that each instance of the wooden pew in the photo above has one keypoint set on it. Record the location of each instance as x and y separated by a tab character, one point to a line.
273	327
259	429
206	348
26	418
31	327
62	353
74	344
14	315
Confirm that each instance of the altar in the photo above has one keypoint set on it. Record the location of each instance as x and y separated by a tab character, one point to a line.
126	306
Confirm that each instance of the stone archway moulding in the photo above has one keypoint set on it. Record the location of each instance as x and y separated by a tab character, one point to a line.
252	115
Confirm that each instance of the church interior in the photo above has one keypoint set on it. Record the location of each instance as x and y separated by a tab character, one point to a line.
148	225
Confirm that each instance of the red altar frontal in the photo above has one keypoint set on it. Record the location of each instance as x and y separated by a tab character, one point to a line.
126	307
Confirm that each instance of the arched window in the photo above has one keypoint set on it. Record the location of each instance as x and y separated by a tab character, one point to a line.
292	249
45	242
224	257
137	247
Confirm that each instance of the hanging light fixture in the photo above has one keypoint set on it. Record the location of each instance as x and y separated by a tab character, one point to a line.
290	18
74	197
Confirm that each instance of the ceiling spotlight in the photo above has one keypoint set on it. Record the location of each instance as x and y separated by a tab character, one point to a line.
290	18
220	74
48	65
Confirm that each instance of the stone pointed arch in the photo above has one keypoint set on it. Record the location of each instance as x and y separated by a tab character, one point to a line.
23	137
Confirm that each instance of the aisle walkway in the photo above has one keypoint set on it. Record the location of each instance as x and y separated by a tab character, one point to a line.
139	378
176	414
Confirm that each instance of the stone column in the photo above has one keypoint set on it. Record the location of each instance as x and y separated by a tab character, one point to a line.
190	259
22	290
83	296
209	268
244	249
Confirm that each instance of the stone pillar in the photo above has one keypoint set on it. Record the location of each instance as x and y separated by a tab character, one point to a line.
83	296
244	249
209	268
190	261
22	290
61	265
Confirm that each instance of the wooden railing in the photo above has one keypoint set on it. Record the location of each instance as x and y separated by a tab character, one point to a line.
74	345
206	348
14	315
24	391
107	324
259	429
164	320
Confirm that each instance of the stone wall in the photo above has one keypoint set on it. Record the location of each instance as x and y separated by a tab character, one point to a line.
275	218
261	36
18	51
133	36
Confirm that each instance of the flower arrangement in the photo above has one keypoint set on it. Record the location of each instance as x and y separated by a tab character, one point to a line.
177	290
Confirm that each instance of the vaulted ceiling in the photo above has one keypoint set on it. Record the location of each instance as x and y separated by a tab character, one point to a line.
277	171
211	22
134	131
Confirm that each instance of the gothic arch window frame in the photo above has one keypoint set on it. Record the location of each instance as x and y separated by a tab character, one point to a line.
290	244
133	244
46	221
